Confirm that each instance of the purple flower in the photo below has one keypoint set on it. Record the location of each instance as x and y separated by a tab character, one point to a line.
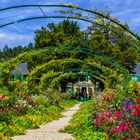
127	102
126	106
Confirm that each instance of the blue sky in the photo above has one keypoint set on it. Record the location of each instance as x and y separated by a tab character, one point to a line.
23	33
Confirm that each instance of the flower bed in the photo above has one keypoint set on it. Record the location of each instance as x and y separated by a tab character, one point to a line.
117	113
81	124
19	111
114	115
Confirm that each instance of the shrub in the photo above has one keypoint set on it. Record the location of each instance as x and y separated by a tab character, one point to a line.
41	100
65	96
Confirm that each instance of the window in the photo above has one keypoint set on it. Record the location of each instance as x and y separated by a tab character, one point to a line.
134	78
69	89
84	78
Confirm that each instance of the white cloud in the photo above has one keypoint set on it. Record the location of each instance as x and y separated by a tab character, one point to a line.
13	36
2	35
126	12
14	39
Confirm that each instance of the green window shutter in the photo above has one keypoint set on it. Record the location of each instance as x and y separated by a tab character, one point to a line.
14	77
22	78
87	78
69	89
138	77
84	78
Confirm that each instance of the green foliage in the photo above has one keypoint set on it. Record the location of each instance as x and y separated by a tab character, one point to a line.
24	122
8	53
67	103
65	33
41	100
112	44
63	78
36	116
81	124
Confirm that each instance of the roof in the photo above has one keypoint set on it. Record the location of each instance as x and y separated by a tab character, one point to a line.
137	69
21	68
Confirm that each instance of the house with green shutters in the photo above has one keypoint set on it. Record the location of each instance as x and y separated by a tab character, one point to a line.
136	75
84	87
20	73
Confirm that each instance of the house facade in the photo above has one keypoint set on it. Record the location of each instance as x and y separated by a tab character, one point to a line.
20	73
84	87
136	75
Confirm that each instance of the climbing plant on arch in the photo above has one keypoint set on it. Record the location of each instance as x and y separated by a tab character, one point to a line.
47	77
47	54
32	56
50	77
57	67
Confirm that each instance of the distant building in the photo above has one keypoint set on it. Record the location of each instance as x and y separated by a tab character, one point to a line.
136	75
20	73
84	87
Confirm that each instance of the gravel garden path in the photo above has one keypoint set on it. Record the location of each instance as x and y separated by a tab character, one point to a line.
50	131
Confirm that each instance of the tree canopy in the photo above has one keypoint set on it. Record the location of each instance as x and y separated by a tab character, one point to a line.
68	33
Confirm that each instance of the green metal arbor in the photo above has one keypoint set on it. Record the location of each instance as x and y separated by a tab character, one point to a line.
43	70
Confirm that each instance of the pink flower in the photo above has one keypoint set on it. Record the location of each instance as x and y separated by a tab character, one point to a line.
107	131
118	114
99	120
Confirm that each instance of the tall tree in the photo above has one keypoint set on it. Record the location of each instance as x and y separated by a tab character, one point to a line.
112	44
64	33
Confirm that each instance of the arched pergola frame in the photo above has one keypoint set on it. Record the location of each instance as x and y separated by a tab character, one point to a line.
71	6
11	64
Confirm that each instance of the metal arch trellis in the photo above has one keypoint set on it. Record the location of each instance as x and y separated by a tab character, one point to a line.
68	6
71	17
78	8
71	49
68	61
126	77
88	72
91	52
85	51
45	68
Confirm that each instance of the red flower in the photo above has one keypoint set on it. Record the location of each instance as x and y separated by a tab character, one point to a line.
135	112
108	99
114	130
134	132
104	95
118	114
1	96
137	100
6	108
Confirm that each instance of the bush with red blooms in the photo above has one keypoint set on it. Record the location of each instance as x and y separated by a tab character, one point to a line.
117	113
14	105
